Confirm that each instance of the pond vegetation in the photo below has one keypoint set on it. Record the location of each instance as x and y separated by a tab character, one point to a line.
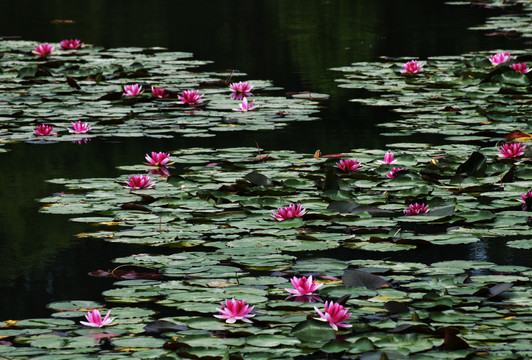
252	249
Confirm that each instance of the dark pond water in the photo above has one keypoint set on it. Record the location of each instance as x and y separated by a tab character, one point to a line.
292	43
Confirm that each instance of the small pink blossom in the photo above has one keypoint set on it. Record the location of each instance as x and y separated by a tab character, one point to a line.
411	67
241	87
71	44
158	159
524	197
416	209
159	92
288	212
43	50
190	97
44	130
335	314
139	182
245	106
303	286
512	150
132	90
79	127
388	159
391	174
520	67
348	165
94	319
500	58
234	310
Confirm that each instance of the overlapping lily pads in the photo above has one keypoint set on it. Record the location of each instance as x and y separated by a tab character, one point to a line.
87	85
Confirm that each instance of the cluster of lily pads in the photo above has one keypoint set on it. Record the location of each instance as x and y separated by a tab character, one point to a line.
82	91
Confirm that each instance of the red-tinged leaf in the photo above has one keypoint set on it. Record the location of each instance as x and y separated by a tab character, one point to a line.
72	83
518	135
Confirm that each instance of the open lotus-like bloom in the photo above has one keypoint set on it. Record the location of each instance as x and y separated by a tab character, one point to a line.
132	90
241	87
190	97
411	67
43	50
524	197
391	174
139	182
303	286
520	67
44	130
79	127
335	314
500	58
71	44
512	150
159	92
158	159
234	310
416	209
288	212
388	159
245	106
94	319
348	165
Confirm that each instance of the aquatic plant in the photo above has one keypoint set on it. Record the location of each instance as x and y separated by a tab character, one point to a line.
411	67
159	92
303	286
132	90
391	174
511	150
416	209
388	159
190	97
500	58
245	106
348	165
139	182
158	159
288	212
71	44
94	319
335	314
520	67
44	130
79	128
241	87
233	310
43	50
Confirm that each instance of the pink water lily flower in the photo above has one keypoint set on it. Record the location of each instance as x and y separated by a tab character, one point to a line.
132	90
234	310
44	130
512	150
159	92
71	44
79	127
43	50
500	58
411	67
388	159
416	209
520	67
241	87
190	97
288	212
524	197
158	159
245	106
94	319
391	174
335	314
139	182
303	286
348	165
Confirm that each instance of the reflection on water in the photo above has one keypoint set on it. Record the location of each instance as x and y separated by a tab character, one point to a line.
292	43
